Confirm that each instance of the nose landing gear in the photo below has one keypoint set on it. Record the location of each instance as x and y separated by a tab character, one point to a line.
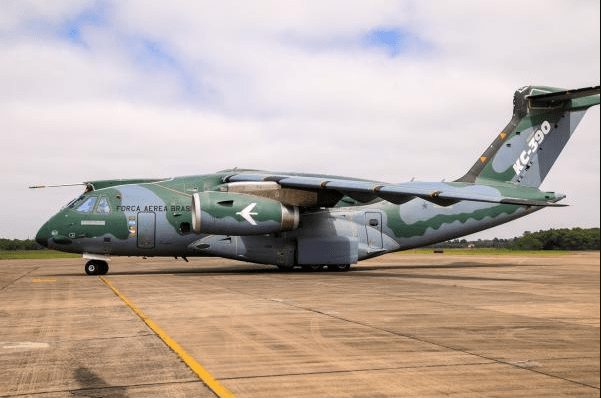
96	267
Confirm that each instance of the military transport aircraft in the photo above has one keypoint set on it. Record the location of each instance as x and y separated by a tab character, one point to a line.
316	221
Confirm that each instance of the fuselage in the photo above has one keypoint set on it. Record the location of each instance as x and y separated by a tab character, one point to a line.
157	219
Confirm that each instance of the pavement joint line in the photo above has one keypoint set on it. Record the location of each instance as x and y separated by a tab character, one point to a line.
490	290
134	336
412	337
19	278
207	378
71	390
479	308
499	361
358	370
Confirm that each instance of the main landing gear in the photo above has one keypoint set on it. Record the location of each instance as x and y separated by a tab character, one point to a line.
339	267
312	267
318	267
96	267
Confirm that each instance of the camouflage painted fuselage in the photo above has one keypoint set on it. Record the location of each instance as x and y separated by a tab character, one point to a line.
289	219
155	218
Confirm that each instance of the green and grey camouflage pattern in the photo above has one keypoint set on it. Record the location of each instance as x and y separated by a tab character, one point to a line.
312	221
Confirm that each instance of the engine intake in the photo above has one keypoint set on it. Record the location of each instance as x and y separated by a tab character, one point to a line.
226	213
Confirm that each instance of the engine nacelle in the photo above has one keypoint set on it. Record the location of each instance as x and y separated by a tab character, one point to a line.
226	213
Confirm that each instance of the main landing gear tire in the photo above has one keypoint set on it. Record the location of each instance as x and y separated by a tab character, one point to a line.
96	267
312	267
339	267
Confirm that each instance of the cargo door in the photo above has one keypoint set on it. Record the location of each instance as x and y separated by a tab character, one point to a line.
373	224
146	230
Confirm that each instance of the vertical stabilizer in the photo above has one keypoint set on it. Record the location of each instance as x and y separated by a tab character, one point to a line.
544	119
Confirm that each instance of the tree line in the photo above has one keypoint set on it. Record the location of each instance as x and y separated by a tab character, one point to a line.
559	239
552	239
17	244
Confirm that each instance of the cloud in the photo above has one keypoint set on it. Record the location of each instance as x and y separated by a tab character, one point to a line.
388	90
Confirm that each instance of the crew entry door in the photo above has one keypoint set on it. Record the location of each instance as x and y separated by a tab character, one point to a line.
146	230
373	224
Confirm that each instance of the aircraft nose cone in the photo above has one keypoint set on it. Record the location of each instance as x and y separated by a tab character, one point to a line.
41	241
42	236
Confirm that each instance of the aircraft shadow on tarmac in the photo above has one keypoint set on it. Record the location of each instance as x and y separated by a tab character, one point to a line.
462	264
93	385
379	274
364	271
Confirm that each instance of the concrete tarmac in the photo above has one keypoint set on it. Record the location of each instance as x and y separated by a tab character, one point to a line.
402	325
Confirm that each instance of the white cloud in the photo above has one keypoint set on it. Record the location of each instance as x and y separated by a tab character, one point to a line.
192	87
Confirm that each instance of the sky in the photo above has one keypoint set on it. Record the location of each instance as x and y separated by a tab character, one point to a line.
383	90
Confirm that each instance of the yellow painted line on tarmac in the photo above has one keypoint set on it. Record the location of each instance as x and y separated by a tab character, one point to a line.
197	368
36	280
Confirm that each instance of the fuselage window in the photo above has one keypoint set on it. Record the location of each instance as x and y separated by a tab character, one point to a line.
88	205
103	206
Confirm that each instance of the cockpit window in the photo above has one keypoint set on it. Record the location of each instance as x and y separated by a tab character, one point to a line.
103	206
75	202
88	205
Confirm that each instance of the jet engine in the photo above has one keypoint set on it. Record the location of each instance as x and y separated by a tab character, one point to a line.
227	213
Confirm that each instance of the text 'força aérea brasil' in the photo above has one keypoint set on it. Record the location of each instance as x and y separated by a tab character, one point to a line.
155	208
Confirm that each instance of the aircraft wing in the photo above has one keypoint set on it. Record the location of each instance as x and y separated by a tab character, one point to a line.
440	193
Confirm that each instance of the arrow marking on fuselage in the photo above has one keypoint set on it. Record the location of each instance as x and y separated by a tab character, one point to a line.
247	215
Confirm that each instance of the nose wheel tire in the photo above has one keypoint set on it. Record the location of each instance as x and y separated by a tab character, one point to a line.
96	267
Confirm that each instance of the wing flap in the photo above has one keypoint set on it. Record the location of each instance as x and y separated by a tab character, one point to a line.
304	182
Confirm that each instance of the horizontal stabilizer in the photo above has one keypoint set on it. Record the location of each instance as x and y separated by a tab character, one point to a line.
549	99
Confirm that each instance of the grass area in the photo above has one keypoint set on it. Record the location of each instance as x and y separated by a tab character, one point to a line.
490	252
34	254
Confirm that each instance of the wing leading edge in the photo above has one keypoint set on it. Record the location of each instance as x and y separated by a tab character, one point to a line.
440	193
